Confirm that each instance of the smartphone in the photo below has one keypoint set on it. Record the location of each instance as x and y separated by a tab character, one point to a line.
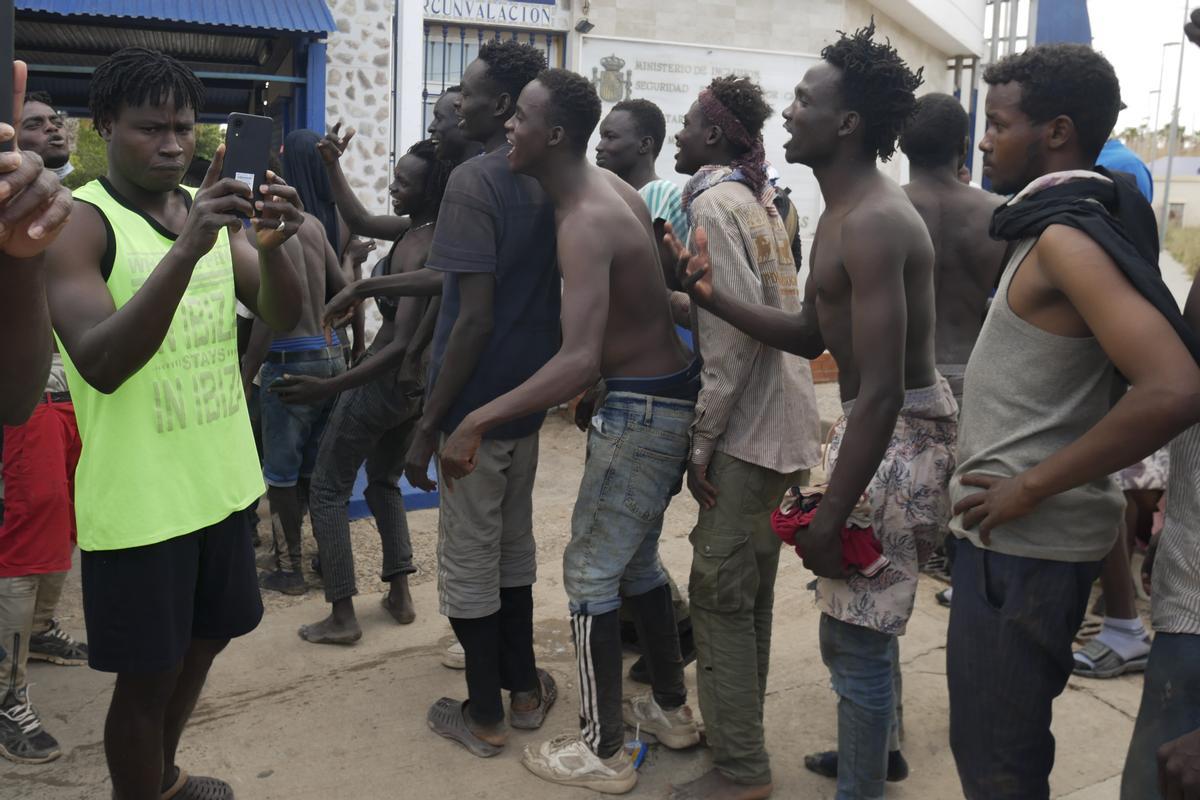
247	147
6	69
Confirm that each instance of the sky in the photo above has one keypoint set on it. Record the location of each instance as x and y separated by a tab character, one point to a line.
1131	34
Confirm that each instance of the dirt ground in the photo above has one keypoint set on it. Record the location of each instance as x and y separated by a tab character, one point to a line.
284	719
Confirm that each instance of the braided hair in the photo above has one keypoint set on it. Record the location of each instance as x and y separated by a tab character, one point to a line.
135	76
876	83
438	173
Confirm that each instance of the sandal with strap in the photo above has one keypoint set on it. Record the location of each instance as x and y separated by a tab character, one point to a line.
533	718
446	718
1105	662
196	787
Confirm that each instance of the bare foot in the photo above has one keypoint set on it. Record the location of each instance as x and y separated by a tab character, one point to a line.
331	631
492	734
715	786
399	603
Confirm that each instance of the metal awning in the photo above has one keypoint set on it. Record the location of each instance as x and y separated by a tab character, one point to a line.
255	56
297	16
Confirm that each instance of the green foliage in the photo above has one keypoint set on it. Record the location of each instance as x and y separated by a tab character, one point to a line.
1184	245
91	156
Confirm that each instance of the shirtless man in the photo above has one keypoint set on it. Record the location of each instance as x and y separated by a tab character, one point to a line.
870	299
616	323
967	261
291	433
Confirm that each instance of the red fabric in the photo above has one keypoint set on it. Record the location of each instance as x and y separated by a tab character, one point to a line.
39	489
861	550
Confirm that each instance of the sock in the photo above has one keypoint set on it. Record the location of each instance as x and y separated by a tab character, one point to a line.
1126	637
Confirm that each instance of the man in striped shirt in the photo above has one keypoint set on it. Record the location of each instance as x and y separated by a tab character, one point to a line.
755	433
631	137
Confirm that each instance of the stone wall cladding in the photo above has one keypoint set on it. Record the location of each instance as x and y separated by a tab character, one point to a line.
358	92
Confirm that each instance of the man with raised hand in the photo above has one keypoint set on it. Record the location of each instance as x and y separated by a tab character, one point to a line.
142	291
616	324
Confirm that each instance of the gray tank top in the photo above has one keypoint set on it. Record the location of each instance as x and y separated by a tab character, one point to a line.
1029	393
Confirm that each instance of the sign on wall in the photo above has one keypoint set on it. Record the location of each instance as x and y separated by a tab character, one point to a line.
505	13
672	75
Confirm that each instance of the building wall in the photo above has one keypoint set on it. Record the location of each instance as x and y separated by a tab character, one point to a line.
782	25
1184	189
360	79
358	92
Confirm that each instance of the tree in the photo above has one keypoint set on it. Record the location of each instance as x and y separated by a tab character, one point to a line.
90	157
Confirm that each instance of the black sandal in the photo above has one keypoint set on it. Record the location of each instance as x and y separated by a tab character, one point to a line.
532	719
196	787
447	718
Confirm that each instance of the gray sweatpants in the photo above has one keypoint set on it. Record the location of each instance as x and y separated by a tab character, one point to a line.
372	423
485	529
26	606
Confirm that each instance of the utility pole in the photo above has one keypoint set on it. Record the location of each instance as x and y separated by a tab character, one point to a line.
1171	144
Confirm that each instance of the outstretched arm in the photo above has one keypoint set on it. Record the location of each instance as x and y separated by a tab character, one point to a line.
108	344
357	217
796	333
1163	397
585	258
879	323
422	282
33	209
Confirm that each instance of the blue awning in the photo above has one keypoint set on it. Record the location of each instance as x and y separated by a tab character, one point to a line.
301	16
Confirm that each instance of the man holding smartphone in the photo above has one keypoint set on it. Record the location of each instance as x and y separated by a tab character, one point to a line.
141	290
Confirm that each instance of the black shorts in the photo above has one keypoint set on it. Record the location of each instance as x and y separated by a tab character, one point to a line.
144	605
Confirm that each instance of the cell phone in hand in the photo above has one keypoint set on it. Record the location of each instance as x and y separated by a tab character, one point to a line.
247	148
6	70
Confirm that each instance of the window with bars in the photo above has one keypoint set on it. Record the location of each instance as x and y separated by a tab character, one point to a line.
450	48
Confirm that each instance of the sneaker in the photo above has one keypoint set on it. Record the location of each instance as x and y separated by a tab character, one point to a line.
676	728
22	737
567	760
283	581
56	646
454	657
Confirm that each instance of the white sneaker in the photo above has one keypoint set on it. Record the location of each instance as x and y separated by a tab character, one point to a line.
675	729
454	657
567	760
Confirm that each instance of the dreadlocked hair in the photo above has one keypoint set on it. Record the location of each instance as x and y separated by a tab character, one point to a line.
511	64
437	174
744	99
39	97
876	83
135	76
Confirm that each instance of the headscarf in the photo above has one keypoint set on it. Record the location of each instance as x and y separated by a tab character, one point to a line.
749	168
304	170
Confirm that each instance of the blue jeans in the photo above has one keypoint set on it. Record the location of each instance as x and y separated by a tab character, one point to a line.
865	669
291	433
1008	655
1170	708
637	452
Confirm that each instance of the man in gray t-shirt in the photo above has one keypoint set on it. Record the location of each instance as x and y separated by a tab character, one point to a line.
1039	435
